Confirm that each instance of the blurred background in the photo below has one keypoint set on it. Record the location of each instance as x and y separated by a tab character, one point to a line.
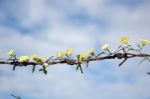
44	27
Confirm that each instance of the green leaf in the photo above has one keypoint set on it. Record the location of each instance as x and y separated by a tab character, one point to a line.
142	60
119	47
14	67
16	97
140	47
129	45
33	68
148	73
78	57
45	72
40	69
145	59
67	56
131	49
148	59
43	69
79	67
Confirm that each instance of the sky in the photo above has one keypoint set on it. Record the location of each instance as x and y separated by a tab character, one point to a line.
45	27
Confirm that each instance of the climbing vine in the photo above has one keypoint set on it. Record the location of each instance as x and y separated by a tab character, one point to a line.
124	51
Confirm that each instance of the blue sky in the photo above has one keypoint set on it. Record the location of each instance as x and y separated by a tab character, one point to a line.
44	27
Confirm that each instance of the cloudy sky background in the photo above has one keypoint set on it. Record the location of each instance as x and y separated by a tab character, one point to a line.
44	27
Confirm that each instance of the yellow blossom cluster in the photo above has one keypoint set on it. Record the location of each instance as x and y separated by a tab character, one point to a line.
105	47
10	53
60	54
69	52
24	58
144	42
124	40
37	59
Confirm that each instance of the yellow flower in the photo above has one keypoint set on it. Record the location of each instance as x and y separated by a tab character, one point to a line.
60	54
91	51
105	47
124	40
33	57
23	58
10	53
144	42
69	51
41	58
82	56
37	59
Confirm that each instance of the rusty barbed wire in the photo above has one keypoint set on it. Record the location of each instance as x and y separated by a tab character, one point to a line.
123	52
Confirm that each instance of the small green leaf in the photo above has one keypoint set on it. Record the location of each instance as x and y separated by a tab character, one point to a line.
145	59
67	56
33	68
14	67
140	47
45	72
131	49
79	67
148	59
129	45
78	57
119	47
40	69
16	97
43	69
148	73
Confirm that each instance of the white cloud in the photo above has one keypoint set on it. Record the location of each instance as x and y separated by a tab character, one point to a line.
62	81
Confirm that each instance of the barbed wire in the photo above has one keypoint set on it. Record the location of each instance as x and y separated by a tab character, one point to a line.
123	52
